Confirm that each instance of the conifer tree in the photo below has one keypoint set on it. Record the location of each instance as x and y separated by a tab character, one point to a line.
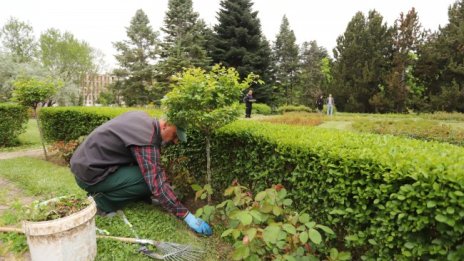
238	42
184	42
363	60
286	61
136	57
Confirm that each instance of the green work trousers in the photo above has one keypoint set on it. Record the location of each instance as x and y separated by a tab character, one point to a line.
119	188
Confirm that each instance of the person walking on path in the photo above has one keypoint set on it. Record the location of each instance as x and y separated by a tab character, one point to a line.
320	103
330	105
119	162
248	103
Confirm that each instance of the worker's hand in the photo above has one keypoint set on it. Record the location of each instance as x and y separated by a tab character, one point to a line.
198	225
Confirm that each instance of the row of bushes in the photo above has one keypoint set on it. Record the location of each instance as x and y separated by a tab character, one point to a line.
70	123
417	129
388	198
13	119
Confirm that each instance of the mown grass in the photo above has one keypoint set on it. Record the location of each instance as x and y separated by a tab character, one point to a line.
27	140
45	180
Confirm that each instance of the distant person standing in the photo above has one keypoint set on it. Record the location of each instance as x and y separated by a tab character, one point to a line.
248	103
320	103
330	104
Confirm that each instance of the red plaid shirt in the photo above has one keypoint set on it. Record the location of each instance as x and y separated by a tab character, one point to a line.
148	159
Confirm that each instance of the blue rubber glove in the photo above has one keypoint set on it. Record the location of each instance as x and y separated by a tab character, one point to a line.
198	225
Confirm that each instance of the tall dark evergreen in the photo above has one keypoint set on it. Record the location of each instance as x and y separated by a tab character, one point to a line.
363	60
441	63
313	81
401	84
184	42
286	61
238	42
136	57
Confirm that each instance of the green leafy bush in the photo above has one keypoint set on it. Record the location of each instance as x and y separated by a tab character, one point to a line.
292	108
13	119
265	227
386	197
258	108
70	123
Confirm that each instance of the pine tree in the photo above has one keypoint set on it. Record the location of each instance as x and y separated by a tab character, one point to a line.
286	61
136	59
408	37
363	59
239	43
314	76
184	42
441	63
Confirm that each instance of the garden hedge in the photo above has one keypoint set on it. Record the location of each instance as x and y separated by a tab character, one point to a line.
70	123
387	197
12	123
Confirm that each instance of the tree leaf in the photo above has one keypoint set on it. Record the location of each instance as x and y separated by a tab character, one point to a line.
315	236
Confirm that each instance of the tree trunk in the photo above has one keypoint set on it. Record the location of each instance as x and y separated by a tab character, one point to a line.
208	164
40	132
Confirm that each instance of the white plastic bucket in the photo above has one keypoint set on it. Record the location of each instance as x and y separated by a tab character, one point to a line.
68	238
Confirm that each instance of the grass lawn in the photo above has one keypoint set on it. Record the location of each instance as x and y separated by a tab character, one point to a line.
27	140
44	180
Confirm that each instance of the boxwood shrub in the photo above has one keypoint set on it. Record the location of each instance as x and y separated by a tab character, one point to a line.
12	123
293	108
258	108
69	123
388	197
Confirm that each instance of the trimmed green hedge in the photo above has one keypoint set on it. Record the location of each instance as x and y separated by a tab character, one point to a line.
69	123
258	108
388	198
13	119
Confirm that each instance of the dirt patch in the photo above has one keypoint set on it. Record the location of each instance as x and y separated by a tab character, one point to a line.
13	194
21	153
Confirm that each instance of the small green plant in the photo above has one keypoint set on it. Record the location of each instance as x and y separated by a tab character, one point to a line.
264	227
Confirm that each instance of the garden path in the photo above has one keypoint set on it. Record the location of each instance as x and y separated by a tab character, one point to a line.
15	195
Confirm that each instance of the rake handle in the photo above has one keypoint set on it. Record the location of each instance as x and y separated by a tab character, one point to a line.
11	229
129	239
122	239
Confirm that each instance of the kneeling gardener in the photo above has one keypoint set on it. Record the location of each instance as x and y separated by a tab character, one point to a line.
119	162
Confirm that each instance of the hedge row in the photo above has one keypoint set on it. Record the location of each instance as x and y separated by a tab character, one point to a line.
69	123
389	198
12	123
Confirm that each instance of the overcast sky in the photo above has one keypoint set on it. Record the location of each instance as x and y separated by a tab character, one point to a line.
102	22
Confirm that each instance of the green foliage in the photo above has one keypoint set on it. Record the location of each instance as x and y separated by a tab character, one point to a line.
293	108
183	45
136	57
205	101
12	123
258	108
17	38
381	194
31	92
70	123
286	58
422	129
238	42
363	60
265	227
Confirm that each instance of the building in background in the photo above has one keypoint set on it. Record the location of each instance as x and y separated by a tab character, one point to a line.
93	84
